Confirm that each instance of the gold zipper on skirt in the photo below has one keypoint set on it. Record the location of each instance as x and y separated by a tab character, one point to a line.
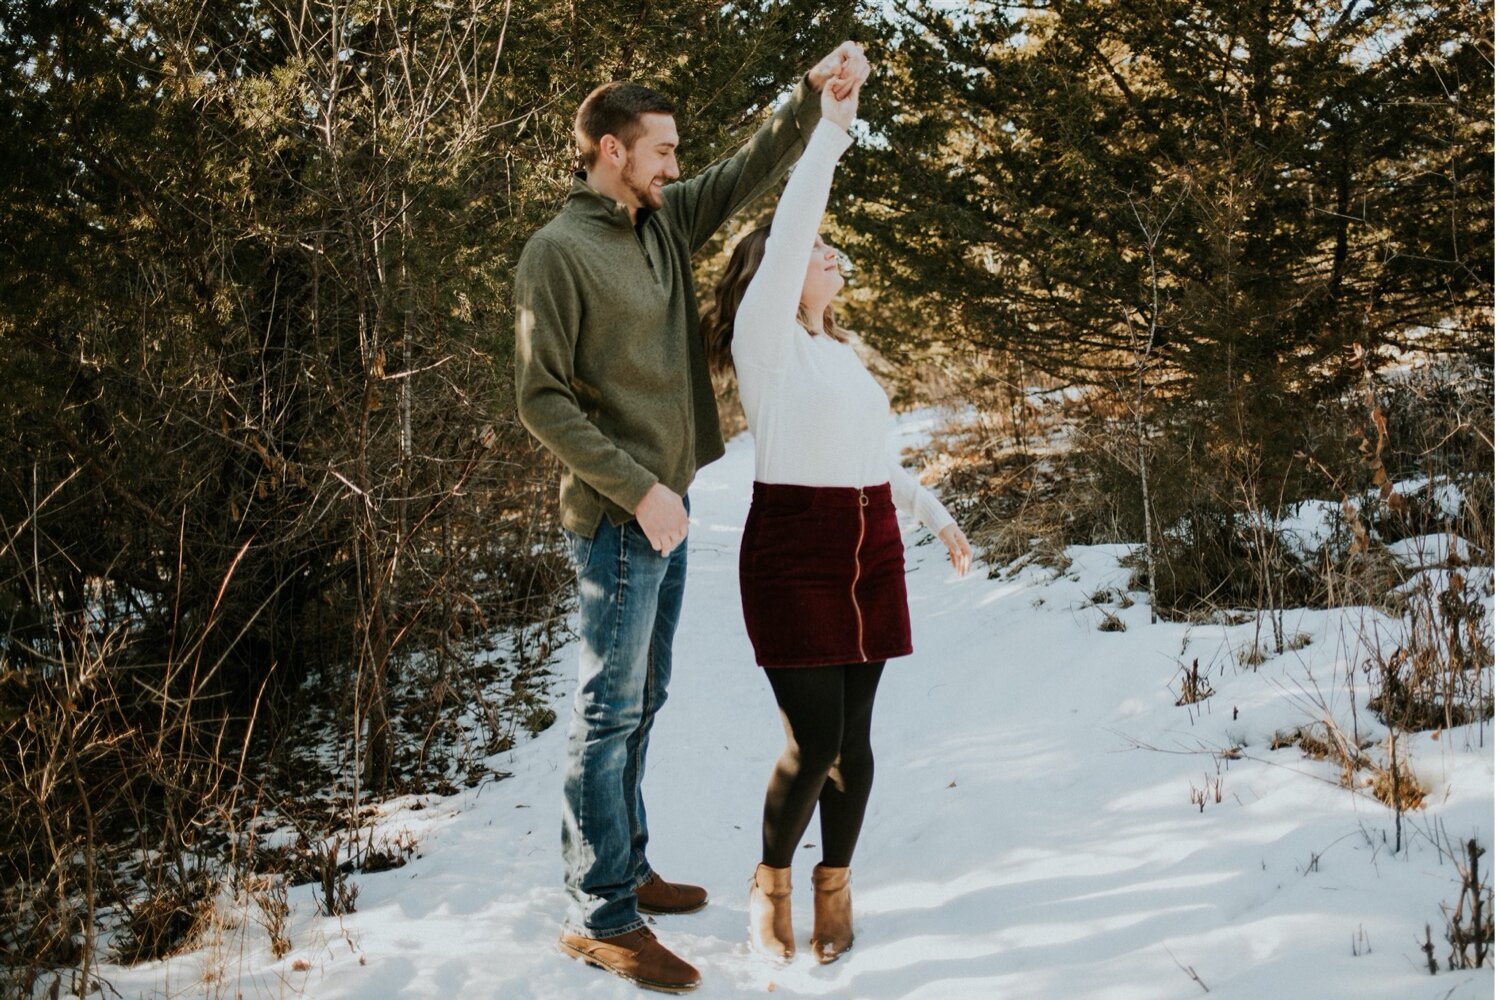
859	618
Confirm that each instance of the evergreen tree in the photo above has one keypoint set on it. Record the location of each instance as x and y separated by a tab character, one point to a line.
255	308
1201	206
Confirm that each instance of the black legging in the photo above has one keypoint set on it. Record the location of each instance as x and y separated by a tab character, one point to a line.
827	761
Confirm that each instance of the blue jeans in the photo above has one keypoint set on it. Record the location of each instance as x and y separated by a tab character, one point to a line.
629	598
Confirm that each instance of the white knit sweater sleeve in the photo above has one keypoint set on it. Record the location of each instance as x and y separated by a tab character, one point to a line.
763	322
916	501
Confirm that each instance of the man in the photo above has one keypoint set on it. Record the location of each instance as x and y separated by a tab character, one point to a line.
611	376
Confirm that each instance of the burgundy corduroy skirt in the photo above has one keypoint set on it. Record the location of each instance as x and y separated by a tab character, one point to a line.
823	576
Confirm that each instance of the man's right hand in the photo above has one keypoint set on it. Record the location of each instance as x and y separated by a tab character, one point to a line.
662	518
846	66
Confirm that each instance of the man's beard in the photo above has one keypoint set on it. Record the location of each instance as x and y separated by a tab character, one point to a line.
648	196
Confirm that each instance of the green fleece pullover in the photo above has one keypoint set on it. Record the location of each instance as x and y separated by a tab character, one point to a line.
610	369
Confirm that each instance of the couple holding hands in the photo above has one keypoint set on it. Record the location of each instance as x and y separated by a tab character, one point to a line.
613	370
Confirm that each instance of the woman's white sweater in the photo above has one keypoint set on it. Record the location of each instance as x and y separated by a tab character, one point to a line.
818	417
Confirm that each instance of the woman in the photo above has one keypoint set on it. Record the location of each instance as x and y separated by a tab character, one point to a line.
822	577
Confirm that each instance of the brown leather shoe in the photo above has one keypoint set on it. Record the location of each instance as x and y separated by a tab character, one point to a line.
833	913
661	896
637	956
771	912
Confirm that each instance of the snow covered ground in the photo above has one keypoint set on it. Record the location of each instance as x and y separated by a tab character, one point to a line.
1031	834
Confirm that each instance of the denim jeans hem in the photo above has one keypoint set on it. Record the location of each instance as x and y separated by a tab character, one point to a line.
597	935
645	878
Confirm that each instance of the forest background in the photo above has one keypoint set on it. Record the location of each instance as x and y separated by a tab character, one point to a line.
255	266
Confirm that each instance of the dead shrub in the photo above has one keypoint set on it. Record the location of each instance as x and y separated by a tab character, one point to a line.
1193	687
1439	420
1397	787
1211	561
269	894
1252	655
339	893
1436	677
1470	926
1212	788
1111	623
170	920
297	864
388	854
1322	741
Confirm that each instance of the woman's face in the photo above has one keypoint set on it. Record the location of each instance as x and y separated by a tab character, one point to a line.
823	279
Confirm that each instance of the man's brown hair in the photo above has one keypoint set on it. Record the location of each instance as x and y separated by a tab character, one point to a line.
615	109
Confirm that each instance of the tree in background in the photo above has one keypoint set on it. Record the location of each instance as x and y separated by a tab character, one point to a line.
1202	207
254	305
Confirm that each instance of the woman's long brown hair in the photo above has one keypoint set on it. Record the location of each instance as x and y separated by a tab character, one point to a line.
718	319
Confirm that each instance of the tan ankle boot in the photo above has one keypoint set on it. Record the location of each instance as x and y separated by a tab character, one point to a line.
833	913
771	912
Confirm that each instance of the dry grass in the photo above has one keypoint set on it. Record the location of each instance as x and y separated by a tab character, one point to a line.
1193	687
1436	677
1397	787
170	920
1111	623
1392	782
1324	741
269	896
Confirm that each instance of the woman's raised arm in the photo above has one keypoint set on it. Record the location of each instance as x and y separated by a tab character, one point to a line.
770	303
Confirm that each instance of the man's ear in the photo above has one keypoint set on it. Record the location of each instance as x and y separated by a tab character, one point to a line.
611	148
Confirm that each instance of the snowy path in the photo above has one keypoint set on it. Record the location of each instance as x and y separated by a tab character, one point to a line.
1017	844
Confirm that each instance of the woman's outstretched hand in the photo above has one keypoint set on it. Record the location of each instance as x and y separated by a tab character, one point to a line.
959	552
846	66
840	110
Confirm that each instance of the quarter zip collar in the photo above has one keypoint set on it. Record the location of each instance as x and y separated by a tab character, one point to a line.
589	202
592	203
